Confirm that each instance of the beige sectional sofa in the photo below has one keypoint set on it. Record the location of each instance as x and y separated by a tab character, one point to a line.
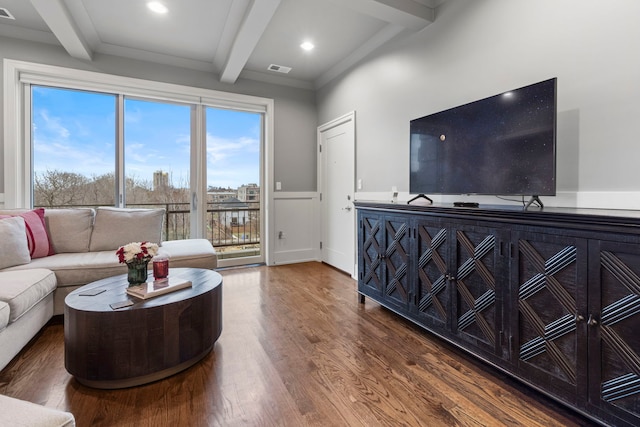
82	249
16	413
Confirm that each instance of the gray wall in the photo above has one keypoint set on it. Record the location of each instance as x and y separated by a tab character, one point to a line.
295	111
476	49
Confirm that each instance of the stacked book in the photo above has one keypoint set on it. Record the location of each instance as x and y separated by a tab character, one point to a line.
158	287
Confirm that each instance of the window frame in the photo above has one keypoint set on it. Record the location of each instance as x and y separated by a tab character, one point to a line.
20	75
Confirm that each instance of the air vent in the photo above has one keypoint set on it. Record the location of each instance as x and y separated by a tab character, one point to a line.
279	68
4	13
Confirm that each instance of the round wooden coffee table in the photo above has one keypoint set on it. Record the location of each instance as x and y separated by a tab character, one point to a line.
152	339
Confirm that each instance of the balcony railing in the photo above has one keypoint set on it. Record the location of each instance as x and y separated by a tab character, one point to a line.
226	225
230	228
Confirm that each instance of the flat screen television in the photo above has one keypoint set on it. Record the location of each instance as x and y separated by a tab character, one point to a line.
504	145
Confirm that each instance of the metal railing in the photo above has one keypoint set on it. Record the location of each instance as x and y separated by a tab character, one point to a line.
226	225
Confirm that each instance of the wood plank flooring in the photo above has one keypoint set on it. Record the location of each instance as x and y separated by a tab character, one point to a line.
297	349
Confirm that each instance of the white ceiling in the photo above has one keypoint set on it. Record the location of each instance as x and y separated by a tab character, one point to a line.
229	38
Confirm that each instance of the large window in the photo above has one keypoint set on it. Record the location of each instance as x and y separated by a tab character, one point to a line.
76	138
157	152
74	142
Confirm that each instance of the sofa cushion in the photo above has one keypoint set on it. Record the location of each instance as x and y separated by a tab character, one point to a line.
78	268
24	289
69	229
82	268
15	412
196	253
13	243
36	232
115	227
4	315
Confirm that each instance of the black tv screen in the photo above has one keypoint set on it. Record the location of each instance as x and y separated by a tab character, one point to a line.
501	145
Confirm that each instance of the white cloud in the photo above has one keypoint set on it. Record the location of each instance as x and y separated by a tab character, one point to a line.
53	125
133	115
220	149
64	156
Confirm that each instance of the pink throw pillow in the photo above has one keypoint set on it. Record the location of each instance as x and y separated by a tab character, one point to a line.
37	237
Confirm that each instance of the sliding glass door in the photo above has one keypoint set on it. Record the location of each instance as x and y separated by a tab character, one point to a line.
157	161
233	176
100	149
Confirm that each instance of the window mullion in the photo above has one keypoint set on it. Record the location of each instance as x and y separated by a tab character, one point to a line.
27	159
198	171
119	154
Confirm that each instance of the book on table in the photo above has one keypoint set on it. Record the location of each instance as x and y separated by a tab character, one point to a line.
158	287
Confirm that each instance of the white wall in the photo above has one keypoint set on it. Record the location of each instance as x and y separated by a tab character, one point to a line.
476	49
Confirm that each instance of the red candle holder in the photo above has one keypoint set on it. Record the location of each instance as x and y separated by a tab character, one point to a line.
160	268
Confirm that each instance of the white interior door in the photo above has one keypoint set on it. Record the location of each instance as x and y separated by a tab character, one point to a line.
337	177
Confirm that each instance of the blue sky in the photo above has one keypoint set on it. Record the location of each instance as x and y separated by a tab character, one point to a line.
74	131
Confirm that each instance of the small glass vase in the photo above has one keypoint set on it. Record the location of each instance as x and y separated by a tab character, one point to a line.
137	273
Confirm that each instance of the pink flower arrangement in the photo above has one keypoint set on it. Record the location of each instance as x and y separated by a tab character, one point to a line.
137	252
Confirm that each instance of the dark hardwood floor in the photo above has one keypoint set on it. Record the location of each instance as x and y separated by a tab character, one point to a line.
297	349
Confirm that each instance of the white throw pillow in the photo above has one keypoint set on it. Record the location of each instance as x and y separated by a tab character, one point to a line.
69	229
115	227
14	249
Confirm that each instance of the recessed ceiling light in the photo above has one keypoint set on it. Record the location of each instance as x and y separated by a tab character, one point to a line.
157	7
307	46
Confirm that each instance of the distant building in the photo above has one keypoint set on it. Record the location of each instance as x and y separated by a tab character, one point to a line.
221	196
234	212
160	180
249	193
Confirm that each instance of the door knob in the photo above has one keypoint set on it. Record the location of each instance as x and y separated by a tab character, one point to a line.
592	321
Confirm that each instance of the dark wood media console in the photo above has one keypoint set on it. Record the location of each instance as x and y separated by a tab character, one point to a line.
550	296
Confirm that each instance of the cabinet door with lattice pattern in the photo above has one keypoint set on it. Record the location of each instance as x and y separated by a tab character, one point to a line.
396	256
432	303
370	246
614	328
479	276
548	306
